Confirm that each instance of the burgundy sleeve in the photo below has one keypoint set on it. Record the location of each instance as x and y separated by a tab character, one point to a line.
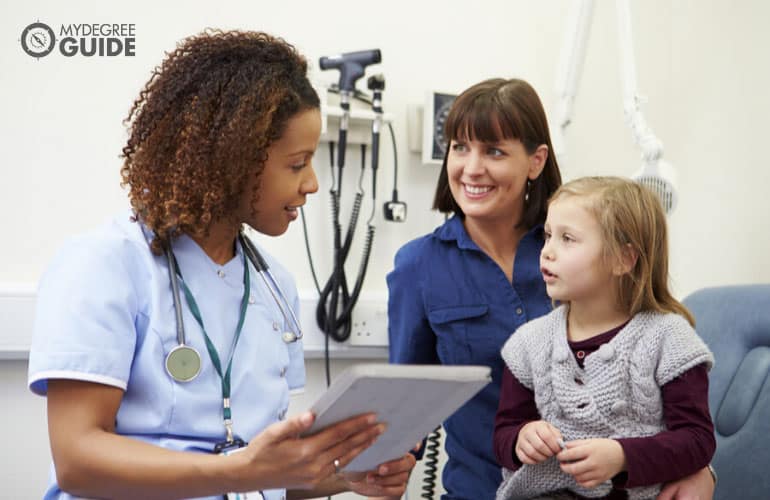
516	409
687	444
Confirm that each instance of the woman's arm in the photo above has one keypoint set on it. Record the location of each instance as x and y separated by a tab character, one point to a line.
410	337
92	461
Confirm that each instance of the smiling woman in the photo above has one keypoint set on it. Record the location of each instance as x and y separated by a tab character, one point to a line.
456	294
221	137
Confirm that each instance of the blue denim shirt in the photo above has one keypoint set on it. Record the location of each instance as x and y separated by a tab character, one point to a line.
450	303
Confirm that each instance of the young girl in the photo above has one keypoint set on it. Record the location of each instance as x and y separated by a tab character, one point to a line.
609	391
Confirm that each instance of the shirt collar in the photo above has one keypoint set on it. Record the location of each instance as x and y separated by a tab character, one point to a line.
454	230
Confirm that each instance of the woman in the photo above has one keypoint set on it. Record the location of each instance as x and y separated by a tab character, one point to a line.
456	294
166	360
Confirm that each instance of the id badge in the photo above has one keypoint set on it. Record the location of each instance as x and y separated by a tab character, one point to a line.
237	446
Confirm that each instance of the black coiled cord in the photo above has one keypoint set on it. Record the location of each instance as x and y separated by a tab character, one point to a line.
431	464
335	302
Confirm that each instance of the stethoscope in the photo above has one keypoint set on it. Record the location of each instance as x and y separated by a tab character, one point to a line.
183	362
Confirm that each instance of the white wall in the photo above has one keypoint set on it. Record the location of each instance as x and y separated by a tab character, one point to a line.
701	63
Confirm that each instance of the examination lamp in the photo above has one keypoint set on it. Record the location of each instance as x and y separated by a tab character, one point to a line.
655	174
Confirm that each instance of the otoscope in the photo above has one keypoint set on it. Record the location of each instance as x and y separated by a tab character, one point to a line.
335	322
351	67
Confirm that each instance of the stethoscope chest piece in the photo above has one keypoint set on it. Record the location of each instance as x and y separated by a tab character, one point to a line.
289	337
183	363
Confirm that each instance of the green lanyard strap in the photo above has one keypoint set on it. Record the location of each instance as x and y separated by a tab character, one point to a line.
225	379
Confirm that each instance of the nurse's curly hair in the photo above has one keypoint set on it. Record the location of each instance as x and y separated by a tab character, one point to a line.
202	125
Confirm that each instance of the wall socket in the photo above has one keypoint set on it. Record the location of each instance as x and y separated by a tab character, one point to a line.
370	323
369	335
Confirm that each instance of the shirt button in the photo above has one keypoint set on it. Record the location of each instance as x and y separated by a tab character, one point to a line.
580	354
252	300
282	414
519	311
220	273
283	371
275	325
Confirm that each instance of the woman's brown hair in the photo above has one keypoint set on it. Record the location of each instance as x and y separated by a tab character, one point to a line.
203	123
512	108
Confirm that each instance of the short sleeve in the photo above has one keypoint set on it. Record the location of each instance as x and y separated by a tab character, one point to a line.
85	316
681	349
515	355
410	337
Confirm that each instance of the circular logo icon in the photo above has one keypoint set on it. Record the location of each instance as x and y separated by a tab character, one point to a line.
38	39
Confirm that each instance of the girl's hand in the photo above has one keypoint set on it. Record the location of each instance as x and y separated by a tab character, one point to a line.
592	461
537	441
283	459
390	479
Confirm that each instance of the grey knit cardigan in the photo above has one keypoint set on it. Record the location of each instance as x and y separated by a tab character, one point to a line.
617	393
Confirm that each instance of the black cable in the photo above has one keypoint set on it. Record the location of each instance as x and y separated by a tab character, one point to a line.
339	326
307	248
336	303
431	464
395	161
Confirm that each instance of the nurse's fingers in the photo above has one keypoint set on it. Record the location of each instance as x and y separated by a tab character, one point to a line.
332	436
290	428
344	453
345	450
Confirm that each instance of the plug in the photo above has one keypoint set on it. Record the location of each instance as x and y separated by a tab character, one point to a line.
395	211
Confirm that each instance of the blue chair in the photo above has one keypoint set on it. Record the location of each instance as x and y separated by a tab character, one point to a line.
735	323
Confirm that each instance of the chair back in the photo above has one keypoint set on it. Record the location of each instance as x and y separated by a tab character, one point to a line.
735	323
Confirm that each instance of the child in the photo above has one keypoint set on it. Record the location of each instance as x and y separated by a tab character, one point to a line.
609	391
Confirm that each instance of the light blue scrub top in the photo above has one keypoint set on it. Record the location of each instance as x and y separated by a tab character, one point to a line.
105	314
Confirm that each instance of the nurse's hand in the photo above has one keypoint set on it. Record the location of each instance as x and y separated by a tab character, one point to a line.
390	479
279	458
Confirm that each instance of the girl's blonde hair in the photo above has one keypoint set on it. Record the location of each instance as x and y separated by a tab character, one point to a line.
630	215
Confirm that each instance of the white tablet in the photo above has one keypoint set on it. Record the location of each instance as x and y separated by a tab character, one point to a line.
412	399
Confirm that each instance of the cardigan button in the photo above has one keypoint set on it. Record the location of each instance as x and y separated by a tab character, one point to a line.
618	407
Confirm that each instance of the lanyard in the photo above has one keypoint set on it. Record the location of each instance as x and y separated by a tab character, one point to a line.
224	378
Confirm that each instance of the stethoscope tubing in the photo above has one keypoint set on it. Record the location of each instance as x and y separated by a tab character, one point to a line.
260	265
275	290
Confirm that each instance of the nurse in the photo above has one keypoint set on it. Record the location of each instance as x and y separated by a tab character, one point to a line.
165	341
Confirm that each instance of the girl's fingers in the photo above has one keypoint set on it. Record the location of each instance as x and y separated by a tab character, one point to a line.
532	452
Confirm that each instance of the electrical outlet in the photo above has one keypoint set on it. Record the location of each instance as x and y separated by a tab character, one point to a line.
370	323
